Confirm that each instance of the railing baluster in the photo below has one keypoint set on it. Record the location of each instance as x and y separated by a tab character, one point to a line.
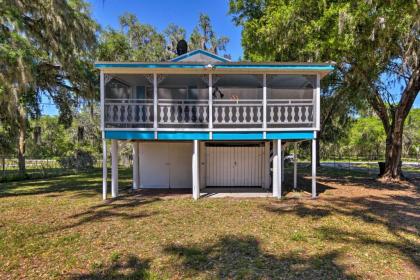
258	114
244	114
161	113
204	114
190	114
237	114
271	114
230	114
223	115
286	114
300	114
293	114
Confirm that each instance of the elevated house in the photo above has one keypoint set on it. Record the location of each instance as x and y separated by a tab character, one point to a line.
201	121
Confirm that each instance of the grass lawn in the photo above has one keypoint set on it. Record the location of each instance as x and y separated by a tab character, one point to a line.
358	228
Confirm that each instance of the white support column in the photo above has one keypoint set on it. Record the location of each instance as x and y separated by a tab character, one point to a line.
104	168
264	105
155	104
282	164
139	161
195	171
277	169
211	105
136	181
266	165
114	168
295	158
102	98
317	117
313	168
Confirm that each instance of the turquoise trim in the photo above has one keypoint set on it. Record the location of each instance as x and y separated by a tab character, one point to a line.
147	65
298	135
129	135
237	136
183	136
149	135
181	57
216	66
282	67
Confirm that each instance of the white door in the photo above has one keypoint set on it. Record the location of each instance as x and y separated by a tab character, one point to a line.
234	166
180	165
154	165
166	165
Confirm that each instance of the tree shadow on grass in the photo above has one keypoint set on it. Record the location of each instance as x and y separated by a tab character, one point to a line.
129	267
398	213
241	257
125	208
87	184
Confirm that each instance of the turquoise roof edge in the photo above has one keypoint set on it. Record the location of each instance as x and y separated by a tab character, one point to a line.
216	66
200	135
189	54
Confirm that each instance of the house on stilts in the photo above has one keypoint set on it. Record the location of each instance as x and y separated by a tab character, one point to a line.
201	121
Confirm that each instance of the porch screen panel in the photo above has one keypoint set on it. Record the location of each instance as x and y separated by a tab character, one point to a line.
128	101
183	101
290	101
237	101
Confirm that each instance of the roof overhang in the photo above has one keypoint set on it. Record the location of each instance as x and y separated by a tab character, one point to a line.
215	68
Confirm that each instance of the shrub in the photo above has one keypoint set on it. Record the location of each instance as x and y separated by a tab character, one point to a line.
81	160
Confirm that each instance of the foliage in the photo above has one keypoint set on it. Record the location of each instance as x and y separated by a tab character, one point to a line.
58	141
374	44
365	136
136	41
45	48
80	160
203	37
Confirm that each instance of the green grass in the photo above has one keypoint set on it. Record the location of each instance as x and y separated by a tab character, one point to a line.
358	228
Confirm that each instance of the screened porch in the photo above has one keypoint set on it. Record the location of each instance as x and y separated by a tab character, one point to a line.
210	101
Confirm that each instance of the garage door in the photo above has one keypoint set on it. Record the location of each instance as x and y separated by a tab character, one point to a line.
234	166
165	165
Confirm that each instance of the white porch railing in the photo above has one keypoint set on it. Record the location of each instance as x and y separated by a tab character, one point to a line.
237	112
128	112
183	112
190	113
289	112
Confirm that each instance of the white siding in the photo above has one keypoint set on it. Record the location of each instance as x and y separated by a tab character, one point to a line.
165	165
234	165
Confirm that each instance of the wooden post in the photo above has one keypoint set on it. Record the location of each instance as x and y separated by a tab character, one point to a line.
104	169
295	167
266	165
155	104
195	171
277	169
135	165
264	106
313	168
114	168
211	105
282	164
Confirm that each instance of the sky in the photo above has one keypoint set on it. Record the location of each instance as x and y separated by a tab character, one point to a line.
160	13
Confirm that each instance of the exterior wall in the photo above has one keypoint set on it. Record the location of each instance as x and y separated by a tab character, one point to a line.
237	165
167	165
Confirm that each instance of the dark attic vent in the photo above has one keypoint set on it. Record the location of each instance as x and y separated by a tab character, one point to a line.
181	47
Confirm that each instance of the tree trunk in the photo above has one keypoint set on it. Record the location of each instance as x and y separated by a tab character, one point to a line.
22	139
393	155
394	124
